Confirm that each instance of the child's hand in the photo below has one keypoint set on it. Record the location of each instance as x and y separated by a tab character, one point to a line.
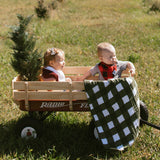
68	80
132	72
131	68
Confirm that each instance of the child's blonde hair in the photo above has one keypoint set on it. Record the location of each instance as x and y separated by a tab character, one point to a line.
104	46
50	54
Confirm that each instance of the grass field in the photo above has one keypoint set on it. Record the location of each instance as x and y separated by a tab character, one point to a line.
77	26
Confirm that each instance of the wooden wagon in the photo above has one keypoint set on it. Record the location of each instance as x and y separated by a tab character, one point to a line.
43	98
53	96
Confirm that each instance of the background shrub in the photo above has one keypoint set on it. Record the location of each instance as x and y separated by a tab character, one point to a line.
134	58
41	10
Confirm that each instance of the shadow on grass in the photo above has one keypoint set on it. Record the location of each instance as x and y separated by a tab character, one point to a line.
58	139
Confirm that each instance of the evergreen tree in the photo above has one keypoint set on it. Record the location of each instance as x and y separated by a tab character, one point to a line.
26	59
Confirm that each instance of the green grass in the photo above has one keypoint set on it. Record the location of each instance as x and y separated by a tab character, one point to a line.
77	26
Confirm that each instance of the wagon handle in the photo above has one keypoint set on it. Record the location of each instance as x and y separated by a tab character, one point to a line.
150	124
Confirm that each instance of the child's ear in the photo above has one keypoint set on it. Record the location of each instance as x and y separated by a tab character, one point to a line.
51	63
101	58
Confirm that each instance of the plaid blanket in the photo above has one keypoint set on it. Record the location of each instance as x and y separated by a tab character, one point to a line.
114	105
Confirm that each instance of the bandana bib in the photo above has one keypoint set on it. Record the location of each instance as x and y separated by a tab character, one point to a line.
107	71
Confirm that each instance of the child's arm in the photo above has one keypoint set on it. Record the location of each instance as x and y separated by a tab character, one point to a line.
131	68
85	76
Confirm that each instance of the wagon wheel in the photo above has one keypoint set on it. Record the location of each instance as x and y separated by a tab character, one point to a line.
28	128
92	130
143	112
41	115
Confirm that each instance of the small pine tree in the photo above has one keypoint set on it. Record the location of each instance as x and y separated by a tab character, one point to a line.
26	59
41	10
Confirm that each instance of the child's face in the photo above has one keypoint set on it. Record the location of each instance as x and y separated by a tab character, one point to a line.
59	61
108	58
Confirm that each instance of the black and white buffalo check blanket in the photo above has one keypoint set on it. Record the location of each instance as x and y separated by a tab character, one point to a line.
114	105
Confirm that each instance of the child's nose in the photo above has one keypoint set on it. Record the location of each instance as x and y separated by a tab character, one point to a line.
115	59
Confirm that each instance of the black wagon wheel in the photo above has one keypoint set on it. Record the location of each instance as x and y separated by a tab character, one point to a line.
144	114
28	128
92	130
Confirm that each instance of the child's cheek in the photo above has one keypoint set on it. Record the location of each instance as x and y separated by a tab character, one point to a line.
61	63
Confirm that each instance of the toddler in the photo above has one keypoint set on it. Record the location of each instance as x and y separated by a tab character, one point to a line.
54	61
109	67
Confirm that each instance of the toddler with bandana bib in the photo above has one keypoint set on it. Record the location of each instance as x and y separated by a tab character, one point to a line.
108	67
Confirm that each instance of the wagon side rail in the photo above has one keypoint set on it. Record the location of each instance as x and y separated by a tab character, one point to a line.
75	72
46	91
